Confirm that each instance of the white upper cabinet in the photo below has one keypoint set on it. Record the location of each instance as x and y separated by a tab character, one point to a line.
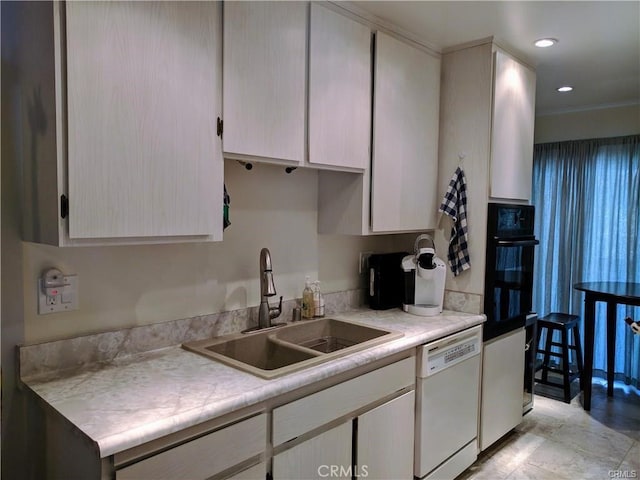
143	93
264	86
405	137
397	193
514	97
132	91
339	90
479	120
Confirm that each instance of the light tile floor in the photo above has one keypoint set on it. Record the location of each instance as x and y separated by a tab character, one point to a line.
559	441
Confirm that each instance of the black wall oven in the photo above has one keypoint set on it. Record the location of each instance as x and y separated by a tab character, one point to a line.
509	269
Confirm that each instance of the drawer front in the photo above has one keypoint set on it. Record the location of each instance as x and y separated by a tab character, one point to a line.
300	416
205	456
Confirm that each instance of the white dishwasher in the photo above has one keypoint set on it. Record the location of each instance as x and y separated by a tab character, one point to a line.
447	398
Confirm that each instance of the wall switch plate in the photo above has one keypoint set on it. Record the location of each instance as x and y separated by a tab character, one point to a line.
65	299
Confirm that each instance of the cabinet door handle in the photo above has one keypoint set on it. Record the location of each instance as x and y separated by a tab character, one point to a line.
517	243
219	127
64	206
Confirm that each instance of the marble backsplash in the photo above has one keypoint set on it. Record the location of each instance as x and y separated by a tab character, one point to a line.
70	354
463	302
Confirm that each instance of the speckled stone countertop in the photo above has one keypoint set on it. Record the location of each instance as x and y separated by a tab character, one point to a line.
129	401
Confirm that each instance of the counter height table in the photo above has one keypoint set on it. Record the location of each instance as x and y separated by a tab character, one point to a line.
612	293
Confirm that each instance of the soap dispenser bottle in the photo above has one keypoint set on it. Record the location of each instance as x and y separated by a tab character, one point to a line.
318	300
308	308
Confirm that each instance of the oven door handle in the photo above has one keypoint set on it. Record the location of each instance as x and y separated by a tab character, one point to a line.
517	243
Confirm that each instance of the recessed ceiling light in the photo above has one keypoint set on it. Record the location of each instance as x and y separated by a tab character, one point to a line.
566	88
545	42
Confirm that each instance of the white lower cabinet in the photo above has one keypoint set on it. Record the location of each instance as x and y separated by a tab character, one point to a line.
327	455
501	405
377	444
385	440
375	439
362	427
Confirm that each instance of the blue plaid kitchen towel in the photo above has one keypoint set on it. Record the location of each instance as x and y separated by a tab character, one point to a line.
454	204
226	203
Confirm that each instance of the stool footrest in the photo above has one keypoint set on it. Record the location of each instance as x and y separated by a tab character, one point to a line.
551	354
567	369
559	371
560	345
550	383
552	369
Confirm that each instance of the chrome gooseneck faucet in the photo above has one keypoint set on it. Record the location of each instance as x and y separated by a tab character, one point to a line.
267	289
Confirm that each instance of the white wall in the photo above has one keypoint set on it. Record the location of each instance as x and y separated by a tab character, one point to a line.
135	285
597	123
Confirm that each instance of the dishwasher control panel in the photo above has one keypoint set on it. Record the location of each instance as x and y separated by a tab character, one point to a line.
449	351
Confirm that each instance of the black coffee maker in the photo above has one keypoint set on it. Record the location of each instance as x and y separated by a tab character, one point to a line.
386	280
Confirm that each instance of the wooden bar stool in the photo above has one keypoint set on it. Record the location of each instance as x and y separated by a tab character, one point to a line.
565	324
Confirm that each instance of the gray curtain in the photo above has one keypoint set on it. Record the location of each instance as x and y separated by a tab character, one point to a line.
587	198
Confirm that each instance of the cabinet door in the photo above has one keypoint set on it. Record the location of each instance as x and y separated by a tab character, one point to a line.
512	134
339	90
324	456
502	386
385	439
405	137
265	79
143	89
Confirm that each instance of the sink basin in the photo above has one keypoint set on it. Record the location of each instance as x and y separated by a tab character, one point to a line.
327	335
259	351
275	352
255	352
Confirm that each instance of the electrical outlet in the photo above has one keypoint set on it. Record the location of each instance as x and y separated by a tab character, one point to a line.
64	298
364	262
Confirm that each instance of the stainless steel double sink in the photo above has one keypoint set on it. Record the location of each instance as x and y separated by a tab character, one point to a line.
273	352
